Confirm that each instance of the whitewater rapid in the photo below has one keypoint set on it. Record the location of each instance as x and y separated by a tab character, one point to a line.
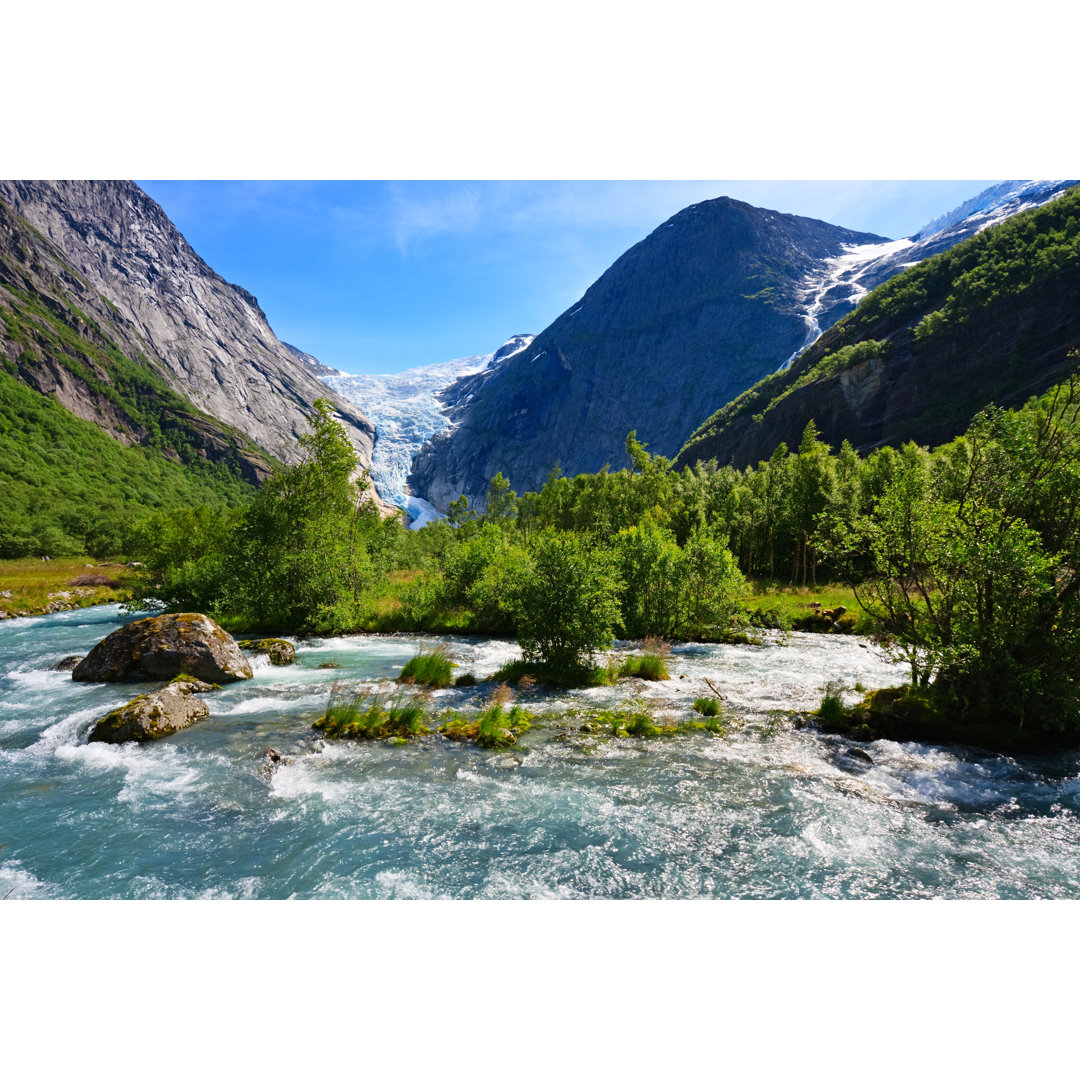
771	810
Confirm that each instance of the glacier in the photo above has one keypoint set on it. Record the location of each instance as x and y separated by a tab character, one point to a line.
406	410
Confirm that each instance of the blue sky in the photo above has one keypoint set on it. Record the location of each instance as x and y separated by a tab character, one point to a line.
374	276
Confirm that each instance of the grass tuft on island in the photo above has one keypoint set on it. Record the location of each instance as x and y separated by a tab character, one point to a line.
366	714
651	665
493	728
429	667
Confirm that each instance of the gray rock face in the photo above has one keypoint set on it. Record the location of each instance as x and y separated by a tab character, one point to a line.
311	363
153	716
407	408
129	266
689	317
922	390
163	647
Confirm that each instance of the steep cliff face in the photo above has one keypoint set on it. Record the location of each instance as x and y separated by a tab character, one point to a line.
689	317
991	320
110	250
60	337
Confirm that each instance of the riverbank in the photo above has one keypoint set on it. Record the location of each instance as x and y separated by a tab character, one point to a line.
40	587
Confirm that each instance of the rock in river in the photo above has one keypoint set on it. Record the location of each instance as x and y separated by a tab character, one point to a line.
153	716
162	647
278	651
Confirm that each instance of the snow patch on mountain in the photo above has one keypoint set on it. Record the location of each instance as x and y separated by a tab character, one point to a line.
995	204
406	410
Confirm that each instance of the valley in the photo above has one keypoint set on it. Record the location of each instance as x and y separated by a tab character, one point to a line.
768	543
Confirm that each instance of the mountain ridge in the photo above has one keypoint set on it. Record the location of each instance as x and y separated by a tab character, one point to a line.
207	338
713	291
991	319
501	418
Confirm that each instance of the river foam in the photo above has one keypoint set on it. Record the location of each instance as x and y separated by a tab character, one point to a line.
770	810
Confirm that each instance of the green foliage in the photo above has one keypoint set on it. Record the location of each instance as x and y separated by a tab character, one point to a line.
708	706
500	502
429	667
67	488
362	714
974	567
518	671
567	606
304	556
832	707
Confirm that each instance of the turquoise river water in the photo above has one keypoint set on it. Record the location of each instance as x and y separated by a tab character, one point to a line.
770	810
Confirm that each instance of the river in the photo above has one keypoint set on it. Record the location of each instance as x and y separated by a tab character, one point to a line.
770	810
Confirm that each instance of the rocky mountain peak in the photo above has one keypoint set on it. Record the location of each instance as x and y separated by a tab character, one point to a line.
208	338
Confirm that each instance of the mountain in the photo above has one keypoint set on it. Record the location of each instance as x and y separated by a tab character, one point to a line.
718	297
992	319
837	285
316	367
99	262
690	316
409	407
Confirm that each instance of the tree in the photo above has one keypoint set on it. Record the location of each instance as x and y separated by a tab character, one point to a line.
975	565
567	606
500	502
299	559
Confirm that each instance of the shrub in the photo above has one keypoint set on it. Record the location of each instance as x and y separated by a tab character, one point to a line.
527	673
429	667
708	706
567	607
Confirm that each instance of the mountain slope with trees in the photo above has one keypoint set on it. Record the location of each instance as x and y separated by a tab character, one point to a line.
123	361
108	250
693	314
990	320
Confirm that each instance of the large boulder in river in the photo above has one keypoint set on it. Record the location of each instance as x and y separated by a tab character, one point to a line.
162	647
153	716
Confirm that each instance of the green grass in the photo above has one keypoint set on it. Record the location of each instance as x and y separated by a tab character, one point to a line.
708	706
363	714
787	607
494	727
832	708
429	667
650	666
34	584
